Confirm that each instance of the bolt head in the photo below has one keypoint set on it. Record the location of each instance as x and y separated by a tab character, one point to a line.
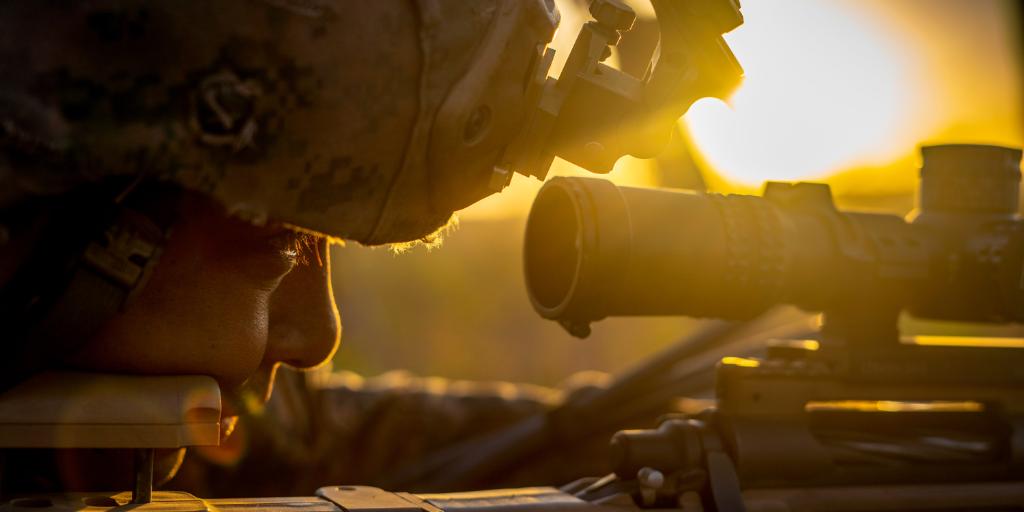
614	14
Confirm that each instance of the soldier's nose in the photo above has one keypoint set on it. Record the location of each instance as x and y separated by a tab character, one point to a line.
304	328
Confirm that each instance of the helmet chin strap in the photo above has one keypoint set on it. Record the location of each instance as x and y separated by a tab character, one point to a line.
95	251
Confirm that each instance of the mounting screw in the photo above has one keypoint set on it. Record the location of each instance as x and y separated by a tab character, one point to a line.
613	14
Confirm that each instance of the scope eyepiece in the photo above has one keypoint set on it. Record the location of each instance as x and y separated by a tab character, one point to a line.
594	249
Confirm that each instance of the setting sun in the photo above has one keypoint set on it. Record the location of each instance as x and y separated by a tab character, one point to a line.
834	87
825	87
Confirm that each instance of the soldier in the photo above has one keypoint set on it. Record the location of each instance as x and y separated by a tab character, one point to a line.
173	173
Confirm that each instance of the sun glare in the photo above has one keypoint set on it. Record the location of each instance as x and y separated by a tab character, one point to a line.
825	88
843	91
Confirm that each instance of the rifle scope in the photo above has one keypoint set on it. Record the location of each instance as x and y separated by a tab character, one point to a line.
594	249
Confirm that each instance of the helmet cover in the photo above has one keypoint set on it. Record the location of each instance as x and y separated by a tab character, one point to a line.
316	113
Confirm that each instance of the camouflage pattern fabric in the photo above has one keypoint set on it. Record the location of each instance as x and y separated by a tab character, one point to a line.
318	113
323	429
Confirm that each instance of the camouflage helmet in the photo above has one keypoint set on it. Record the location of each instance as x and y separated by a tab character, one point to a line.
335	116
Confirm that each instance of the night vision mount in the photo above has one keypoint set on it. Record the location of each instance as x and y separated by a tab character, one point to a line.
593	114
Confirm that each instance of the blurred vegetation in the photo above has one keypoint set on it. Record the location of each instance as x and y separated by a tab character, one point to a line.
461	311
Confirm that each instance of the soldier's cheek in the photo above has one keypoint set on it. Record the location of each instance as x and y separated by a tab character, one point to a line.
204	311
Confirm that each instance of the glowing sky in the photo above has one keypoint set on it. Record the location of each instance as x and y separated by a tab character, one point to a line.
839	85
825	87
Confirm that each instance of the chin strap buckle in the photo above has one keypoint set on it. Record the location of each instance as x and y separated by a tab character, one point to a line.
127	251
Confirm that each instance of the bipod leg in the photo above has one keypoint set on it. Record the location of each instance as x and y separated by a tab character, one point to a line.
143	491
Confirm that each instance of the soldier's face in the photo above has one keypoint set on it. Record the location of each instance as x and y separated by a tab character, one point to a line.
227	299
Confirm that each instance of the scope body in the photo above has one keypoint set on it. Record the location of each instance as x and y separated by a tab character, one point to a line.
594	249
